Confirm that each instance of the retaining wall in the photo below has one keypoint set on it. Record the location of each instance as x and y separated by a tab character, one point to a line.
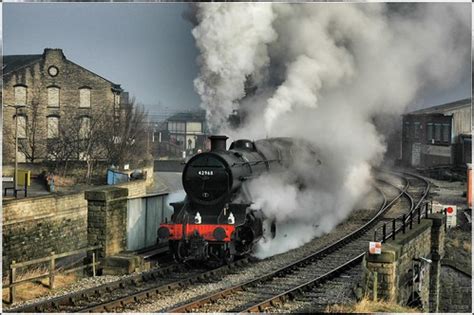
33	227
400	261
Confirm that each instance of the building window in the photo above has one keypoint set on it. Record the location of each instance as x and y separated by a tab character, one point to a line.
176	127
85	128
429	132
85	97
21	119
417	130
53	96
117	100
53	127
437	136
446	132
20	95
407	129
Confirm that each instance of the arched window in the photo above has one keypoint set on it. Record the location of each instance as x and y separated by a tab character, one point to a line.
20	95
53	96
53	127
21	119
85	129
85	97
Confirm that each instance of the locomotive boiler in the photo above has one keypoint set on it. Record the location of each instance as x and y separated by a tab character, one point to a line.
215	221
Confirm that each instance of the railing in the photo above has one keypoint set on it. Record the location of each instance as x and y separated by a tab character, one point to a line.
407	219
52	270
407	222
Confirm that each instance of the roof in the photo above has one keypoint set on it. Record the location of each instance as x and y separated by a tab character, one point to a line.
189	116
442	109
14	62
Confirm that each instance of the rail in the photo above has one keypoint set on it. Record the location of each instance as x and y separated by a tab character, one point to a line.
416	213
52	270
385	205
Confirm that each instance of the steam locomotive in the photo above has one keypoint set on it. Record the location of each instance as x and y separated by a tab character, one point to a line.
215	222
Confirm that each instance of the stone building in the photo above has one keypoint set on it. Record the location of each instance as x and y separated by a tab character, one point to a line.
438	135
45	89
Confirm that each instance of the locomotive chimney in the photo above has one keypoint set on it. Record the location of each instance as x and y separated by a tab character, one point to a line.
218	142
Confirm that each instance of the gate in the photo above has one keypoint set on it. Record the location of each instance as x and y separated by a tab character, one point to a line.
144	215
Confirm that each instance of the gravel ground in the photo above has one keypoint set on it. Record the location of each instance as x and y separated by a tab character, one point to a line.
82	284
337	291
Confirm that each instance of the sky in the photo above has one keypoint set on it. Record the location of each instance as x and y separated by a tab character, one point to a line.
147	48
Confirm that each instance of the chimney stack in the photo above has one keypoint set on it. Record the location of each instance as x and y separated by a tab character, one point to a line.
218	142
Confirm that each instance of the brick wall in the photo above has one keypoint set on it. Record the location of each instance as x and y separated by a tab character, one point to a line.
34	227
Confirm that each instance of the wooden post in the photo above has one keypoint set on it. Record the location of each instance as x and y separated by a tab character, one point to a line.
12	282
51	271
375	286
93	264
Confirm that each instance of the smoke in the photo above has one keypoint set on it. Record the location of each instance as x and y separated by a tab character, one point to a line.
324	73
245	29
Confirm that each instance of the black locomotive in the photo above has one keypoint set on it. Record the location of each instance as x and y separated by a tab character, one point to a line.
215	222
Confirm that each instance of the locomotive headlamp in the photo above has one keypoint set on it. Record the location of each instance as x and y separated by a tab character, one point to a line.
231	219
219	234
163	233
197	218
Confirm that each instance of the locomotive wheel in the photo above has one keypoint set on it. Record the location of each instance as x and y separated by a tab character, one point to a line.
228	257
180	253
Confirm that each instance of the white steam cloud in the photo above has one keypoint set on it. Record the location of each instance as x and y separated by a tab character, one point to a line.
226	67
323	72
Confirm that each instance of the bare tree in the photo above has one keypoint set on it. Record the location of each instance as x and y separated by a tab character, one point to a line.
33	144
127	140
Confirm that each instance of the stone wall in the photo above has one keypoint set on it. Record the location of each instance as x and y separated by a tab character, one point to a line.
401	259
35	77
136	188
455	293
34	227
107	219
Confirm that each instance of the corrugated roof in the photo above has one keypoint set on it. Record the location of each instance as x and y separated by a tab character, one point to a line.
443	108
15	62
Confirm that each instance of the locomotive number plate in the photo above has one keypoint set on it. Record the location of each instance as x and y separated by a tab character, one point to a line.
206	173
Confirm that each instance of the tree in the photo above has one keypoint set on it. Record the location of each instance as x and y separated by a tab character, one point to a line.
126	141
32	145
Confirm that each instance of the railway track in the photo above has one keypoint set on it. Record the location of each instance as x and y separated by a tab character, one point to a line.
117	295
317	293
268	292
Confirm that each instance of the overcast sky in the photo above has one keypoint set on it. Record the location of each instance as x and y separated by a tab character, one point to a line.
147	48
